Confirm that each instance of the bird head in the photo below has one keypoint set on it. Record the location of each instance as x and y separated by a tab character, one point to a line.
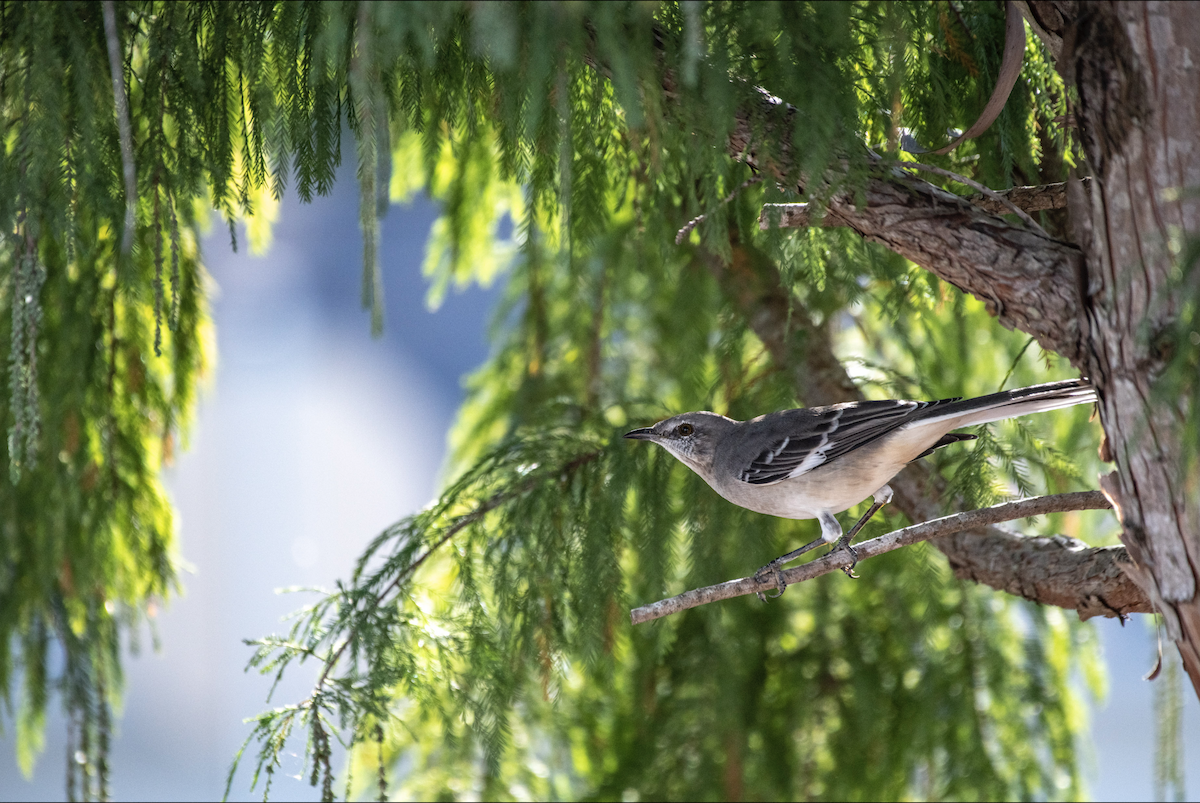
690	437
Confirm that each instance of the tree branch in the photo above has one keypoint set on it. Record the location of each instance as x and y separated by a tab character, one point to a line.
1062	577
696	221
1041	198
1005	204
1027	279
455	527
121	106
1032	199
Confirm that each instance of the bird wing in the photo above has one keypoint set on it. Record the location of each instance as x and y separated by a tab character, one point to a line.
814	436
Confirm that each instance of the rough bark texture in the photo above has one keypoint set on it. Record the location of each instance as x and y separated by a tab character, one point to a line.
1136	67
1060	571
1031	199
1047	22
1028	280
1053	571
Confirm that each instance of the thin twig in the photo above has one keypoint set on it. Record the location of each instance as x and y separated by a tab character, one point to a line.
696	221
989	192
122	111
947	525
784	216
462	521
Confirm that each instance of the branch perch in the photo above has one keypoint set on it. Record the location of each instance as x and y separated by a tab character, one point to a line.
947	525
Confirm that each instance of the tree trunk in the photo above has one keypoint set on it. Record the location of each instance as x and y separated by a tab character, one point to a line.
1136	67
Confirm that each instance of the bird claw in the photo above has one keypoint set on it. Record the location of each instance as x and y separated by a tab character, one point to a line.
772	567
848	570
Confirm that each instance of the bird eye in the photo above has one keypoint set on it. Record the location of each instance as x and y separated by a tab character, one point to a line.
683	430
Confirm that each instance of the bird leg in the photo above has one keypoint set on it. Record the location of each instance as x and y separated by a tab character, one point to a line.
830	531
882	497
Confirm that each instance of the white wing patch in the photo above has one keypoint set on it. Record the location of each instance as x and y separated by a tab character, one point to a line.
814	458
794	454
773	453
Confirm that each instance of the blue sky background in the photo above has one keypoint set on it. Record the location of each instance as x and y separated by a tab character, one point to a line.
312	437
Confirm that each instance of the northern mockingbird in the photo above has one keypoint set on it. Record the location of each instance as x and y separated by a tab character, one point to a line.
815	462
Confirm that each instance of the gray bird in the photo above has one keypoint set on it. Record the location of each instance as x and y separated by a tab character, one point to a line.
815	462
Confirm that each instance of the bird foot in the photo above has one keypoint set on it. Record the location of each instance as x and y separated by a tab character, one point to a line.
849	570
761	576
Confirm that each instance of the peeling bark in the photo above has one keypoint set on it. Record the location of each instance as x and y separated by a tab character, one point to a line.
1025	279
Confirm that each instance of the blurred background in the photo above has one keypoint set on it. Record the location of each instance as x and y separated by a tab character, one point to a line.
310	438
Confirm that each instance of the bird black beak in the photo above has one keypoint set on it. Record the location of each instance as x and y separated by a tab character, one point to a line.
643	434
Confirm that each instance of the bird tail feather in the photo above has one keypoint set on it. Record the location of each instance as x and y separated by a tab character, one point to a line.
1012	403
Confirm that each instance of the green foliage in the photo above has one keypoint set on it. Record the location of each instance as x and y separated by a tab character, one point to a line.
1168	737
505	667
482	644
105	351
